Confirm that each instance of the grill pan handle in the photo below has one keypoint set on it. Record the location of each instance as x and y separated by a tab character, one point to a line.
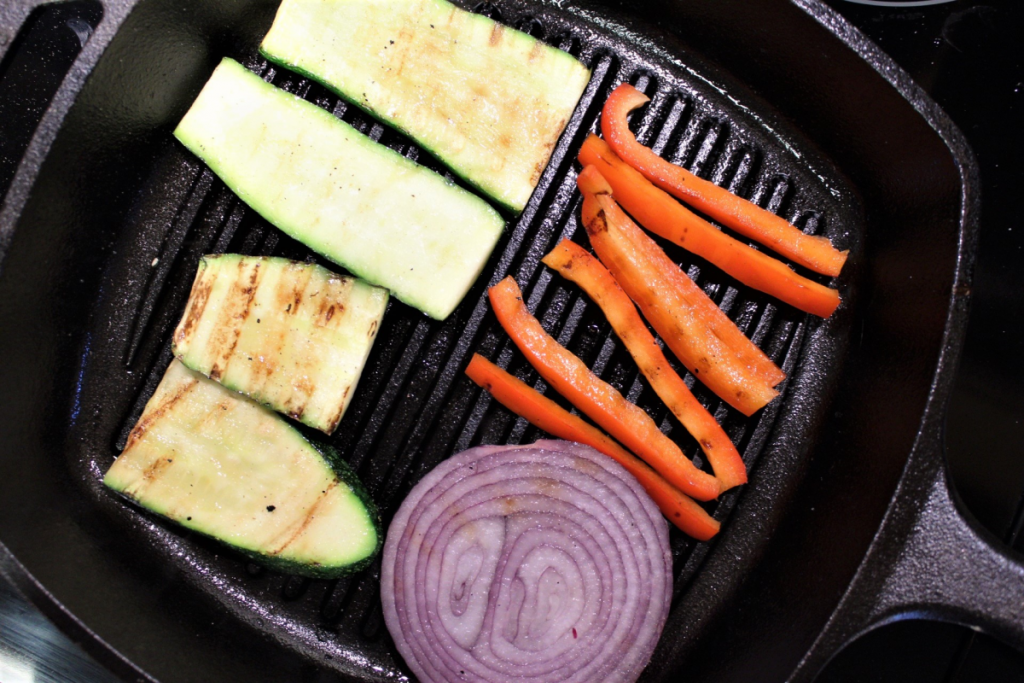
929	560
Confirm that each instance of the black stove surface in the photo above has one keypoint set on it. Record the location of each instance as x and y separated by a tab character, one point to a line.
969	56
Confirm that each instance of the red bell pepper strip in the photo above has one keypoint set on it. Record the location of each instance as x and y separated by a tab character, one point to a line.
674	305
573	379
575	263
631	237
657	211
541	411
746	218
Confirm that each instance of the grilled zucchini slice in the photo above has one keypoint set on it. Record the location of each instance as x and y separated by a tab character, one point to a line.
220	464
383	217
293	336
487	100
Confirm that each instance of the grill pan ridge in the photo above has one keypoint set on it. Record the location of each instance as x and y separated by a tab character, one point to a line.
413	406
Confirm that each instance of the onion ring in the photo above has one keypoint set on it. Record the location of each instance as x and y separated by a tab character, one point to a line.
543	563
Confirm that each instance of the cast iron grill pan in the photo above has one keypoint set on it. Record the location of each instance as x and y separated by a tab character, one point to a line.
414	407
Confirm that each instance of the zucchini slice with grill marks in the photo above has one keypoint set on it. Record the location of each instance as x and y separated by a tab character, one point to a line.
220	464
383	217
293	336
487	100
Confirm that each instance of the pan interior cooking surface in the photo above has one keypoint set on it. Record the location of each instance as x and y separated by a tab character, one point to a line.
414	407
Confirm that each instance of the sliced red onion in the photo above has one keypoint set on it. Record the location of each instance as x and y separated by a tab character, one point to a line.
527	563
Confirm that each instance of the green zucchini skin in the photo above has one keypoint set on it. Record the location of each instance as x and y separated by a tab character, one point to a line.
290	335
224	466
489	101
385	218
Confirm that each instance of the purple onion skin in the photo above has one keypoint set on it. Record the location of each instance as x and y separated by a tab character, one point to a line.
527	563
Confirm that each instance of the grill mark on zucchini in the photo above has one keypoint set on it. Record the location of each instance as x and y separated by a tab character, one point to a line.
336	418
303	389
496	34
328	309
140	429
213	415
539	167
149	475
403	53
310	515
197	304
238	292
156	469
